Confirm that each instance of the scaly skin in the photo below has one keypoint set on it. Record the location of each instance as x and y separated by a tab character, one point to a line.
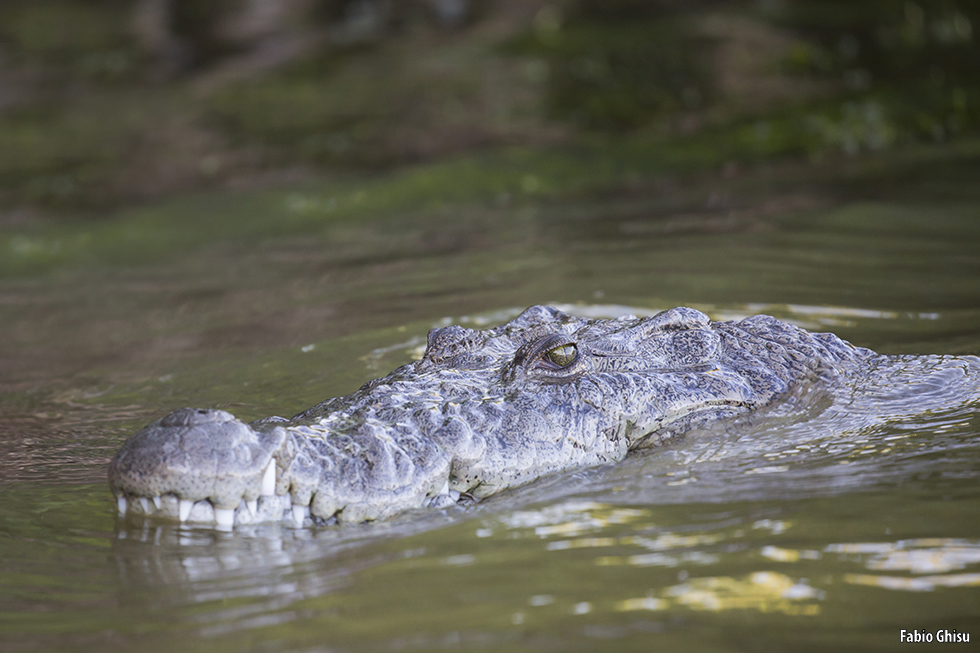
480	412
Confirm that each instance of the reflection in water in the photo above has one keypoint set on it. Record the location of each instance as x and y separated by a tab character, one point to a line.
765	591
931	557
251	579
923	556
570	518
159	554
920	584
928	556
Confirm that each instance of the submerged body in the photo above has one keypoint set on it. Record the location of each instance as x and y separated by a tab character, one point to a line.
480	412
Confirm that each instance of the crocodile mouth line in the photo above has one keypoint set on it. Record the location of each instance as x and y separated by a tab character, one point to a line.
169	505
269	507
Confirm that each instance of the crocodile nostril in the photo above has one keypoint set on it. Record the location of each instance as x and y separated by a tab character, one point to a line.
196	417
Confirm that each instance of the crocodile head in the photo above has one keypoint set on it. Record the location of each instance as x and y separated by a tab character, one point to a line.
480	412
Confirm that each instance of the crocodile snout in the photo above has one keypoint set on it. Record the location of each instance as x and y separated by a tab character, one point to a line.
194	455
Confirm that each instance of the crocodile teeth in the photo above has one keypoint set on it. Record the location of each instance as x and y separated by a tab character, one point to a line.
269	479
253	506
224	517
157	502
184	509
121	505
446	491
299	514
146	505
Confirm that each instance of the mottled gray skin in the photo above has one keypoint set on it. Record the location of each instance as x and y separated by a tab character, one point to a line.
482	411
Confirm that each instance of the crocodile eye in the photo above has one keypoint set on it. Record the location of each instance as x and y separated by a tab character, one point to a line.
549	359
562	356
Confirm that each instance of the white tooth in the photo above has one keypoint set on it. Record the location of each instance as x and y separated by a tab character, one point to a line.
454	494
156	502
445	488
224	517
299	514
146	505
184	509
253	506
121	505
269	479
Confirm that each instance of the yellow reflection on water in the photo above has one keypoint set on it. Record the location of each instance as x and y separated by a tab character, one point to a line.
927	563
916	584
765	591
931	557
919	556
571	518
928	558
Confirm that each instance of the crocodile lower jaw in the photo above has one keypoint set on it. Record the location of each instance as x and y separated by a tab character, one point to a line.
268	508
265	509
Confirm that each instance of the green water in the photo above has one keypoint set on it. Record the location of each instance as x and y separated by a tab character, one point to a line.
781	536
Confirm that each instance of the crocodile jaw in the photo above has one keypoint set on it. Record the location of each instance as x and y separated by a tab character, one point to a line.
199	465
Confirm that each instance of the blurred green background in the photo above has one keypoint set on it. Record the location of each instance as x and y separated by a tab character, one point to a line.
111	103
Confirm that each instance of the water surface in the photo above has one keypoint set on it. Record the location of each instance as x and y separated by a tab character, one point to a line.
834	524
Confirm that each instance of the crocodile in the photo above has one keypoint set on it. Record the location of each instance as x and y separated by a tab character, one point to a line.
481	411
